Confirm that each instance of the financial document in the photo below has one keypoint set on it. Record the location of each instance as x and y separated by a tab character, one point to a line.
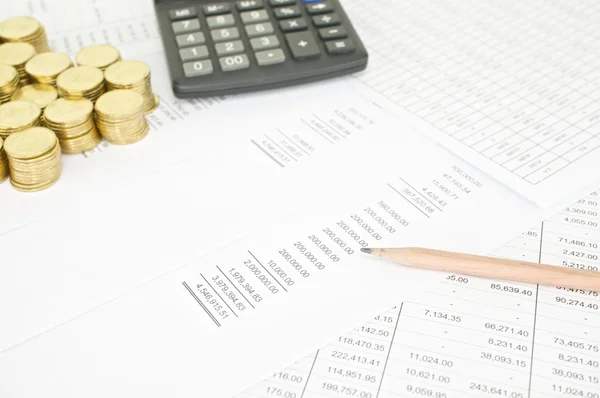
471	337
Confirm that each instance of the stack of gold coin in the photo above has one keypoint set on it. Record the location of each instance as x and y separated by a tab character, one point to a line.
120	117
72	121
17	55
9	82
39	94
17	116
3	163
81	82
33	159
132	75
24	29
100	56
44	68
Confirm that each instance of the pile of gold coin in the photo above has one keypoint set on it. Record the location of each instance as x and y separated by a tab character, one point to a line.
39	94
9	82
72	121
44	68
81	82
34	159
4	171
120	117
99	56
17	55
24	29
17	116
132	75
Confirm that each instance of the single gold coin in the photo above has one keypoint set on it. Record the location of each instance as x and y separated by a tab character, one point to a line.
46	67
100	56
30	143
119	103
127	73
80	79
39	94
8	75
16	114
16	54
67	111
19	28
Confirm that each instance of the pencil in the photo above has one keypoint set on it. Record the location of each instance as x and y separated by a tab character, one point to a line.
489	267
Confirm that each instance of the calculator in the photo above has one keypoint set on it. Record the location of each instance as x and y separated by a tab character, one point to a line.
229	47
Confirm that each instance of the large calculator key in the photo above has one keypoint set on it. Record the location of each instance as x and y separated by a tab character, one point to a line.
293	25
254	16
225	34
302	45
247	5
229	47
336	32
191	39
326	20
182	13
193	53
340	46
198	68
190	25
287	12
270	57
220	21
259	29
276	3
264	43
234	62
216	8
319	8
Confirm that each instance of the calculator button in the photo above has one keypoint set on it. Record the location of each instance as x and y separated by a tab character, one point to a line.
193	53
254	16
340	46
220	21
302	44
337	32
246	5
182	13
234	62
191	39
263	43
319	8
229	47
198	68
287	12
292	25
326	20
276	3
216	8
190	25
225	34
259	29
270	57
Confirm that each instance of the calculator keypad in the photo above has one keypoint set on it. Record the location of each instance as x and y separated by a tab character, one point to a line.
228	25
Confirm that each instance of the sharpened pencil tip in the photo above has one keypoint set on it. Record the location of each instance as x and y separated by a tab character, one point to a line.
366	250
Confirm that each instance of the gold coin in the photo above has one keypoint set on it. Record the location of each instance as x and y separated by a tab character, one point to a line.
30	143
19	28
67	111
119	103
46	67
80	79
100	56
39	94
127	73
8	75
16	54
16	114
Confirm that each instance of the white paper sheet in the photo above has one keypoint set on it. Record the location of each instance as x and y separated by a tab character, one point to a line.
470	337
